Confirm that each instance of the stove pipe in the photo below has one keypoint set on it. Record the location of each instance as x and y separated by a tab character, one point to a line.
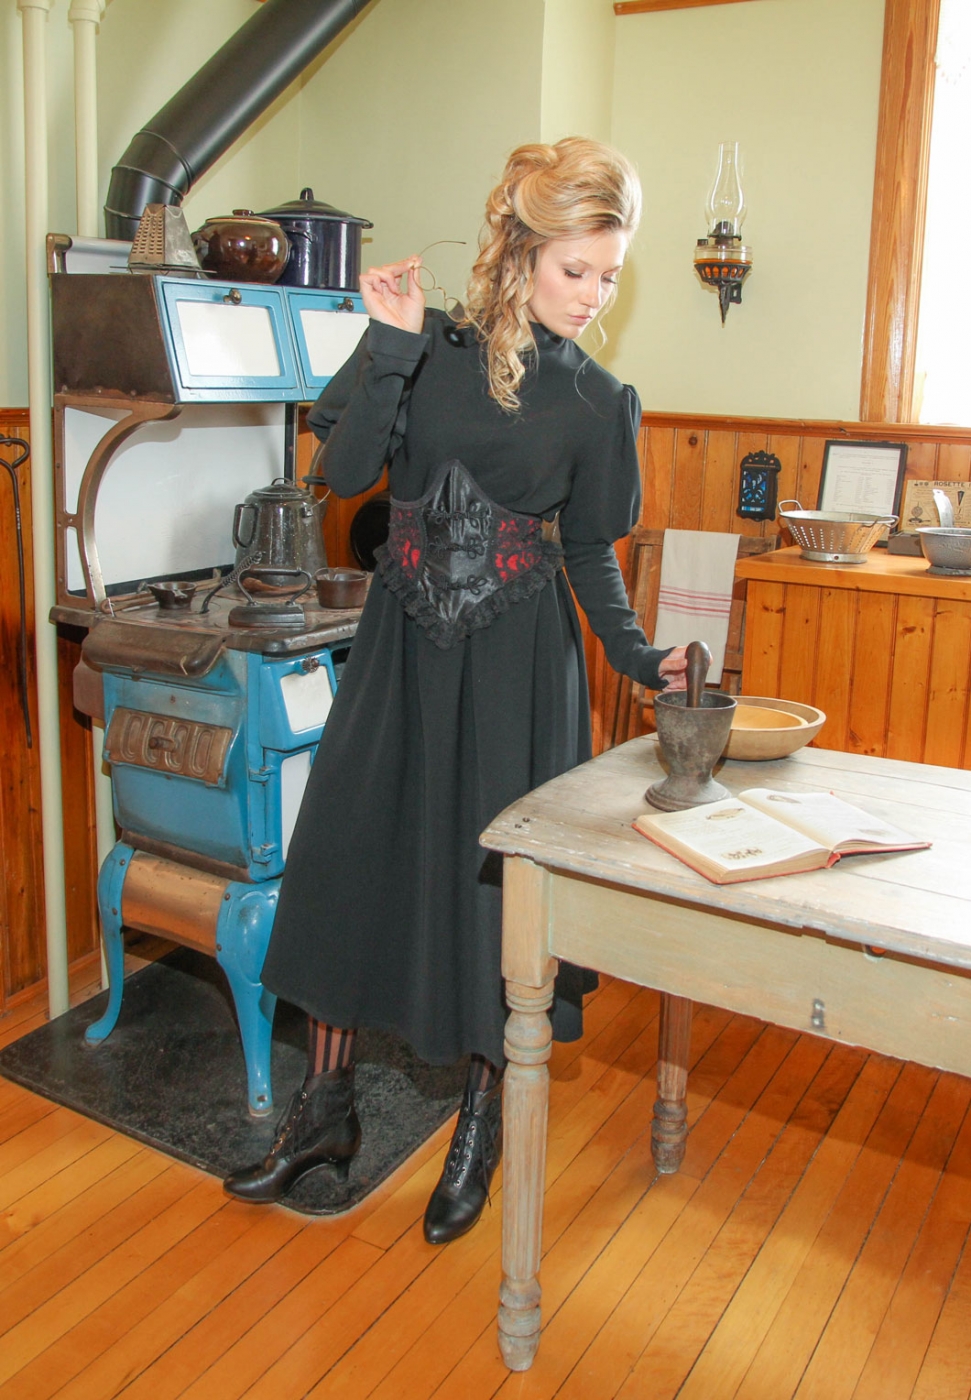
229	92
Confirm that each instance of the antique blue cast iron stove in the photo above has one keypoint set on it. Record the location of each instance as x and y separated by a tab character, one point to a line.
210	731
174	398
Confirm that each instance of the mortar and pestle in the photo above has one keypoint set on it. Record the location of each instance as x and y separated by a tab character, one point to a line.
692	731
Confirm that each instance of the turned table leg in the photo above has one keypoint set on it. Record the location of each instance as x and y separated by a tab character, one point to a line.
669	1129
529	971
525	1102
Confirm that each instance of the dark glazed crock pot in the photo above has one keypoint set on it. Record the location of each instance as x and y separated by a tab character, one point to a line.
242	247
325	244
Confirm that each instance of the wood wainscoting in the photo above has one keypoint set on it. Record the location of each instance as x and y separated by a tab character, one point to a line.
690	479
22	929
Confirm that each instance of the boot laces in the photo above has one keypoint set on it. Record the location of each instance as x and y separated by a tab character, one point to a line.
473	1145
287	1125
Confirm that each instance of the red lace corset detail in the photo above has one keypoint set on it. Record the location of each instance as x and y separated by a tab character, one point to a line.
456	560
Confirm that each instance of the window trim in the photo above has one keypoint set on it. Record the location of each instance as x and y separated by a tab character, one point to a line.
899	209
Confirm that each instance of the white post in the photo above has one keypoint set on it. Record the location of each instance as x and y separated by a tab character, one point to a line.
34	17
85	16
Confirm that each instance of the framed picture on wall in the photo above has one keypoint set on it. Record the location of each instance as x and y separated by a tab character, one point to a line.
863	476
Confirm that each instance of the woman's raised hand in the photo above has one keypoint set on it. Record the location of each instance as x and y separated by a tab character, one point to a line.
385	300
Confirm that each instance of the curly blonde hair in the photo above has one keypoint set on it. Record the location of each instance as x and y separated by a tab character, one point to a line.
573	188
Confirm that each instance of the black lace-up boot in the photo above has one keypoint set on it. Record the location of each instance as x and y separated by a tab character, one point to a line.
320	1128
463	1188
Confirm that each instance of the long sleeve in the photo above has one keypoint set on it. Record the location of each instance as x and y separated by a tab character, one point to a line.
361	413
604	505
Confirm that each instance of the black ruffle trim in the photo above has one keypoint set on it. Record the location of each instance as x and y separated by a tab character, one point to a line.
445	633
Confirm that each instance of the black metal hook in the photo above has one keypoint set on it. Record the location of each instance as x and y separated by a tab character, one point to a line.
18	520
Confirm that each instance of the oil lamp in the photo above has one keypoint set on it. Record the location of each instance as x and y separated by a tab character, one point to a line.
722	260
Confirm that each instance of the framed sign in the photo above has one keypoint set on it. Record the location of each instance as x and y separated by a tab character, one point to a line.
920	508
863	476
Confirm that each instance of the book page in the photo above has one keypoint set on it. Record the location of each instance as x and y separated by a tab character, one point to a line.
828	820
730	834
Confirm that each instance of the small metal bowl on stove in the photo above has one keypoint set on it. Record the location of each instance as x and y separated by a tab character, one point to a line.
947	549
340	589
172	595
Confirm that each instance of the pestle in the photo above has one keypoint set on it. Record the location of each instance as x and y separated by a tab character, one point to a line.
692	731
699	659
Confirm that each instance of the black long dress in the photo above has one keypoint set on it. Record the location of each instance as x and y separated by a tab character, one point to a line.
389	913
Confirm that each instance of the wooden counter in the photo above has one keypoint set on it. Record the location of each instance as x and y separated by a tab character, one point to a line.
882	647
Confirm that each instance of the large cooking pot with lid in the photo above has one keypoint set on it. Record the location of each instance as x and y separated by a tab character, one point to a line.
325	244
284	524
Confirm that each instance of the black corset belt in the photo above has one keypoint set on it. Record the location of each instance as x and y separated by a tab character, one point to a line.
456	560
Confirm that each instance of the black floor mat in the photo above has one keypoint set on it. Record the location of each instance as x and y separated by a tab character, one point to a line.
171	1074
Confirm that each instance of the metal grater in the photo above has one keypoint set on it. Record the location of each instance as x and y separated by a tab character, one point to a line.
162	243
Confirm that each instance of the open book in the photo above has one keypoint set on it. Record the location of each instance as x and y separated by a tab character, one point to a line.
763	833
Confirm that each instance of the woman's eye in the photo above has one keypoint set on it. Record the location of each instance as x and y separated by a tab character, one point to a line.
611	281
570	273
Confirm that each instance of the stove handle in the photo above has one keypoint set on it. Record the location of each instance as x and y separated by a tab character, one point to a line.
231	577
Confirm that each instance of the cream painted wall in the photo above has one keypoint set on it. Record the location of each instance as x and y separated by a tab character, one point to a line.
146	50
578	69
409	123
176	38
13	302
796	82
407	118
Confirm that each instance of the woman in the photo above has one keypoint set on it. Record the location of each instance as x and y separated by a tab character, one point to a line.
465	687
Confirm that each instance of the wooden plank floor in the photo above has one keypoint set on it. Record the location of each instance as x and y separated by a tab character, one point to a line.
815	1245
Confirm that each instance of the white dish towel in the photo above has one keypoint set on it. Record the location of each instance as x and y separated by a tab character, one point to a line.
695	598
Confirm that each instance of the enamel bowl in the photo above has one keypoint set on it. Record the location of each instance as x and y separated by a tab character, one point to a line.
946	548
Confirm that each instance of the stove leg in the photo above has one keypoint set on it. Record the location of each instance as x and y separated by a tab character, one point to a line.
111	880
242	935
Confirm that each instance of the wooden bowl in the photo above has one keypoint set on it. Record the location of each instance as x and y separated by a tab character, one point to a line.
757	736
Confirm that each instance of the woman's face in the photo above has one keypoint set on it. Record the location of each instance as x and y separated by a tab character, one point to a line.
574	277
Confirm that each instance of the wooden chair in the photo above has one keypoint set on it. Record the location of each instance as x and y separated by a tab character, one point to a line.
627	709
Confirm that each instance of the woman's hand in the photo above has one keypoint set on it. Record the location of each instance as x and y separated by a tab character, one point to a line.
673	667
385	300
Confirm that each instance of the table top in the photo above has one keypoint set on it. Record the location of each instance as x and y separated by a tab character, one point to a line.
914	902
881	573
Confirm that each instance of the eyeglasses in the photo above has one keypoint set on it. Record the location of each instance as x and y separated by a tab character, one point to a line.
429	282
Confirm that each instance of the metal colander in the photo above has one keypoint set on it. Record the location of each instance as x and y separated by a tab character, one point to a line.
834	536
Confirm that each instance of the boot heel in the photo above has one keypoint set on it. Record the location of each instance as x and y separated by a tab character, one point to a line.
319	1123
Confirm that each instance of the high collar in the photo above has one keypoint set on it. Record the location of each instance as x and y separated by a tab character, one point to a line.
545	338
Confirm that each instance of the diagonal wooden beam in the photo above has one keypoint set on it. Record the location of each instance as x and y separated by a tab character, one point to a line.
643	7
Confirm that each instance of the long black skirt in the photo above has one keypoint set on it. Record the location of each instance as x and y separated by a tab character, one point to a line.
390	910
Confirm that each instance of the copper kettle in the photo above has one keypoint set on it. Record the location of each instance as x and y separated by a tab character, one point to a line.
284	525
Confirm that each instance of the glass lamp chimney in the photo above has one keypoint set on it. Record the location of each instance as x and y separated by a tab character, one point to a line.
725	209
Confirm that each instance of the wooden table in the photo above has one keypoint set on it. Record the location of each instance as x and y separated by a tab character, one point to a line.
875	951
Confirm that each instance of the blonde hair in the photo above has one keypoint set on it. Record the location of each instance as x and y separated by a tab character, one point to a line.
567	190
